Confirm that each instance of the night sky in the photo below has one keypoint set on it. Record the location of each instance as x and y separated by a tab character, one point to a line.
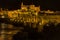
45	4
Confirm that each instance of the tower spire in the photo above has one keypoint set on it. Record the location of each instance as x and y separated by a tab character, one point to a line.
22	4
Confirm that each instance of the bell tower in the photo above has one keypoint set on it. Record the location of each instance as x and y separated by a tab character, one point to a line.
23	7
21	4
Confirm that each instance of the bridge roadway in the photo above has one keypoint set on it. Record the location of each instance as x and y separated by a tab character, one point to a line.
41	20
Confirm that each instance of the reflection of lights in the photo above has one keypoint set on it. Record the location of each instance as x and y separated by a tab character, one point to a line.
47	24
3	16
18	20
9	32
40	23
12	19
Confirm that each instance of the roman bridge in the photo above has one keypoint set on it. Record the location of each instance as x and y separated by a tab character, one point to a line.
39	20
36	21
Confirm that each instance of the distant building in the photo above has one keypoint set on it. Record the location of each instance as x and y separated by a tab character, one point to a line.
48	11
23	7
32	7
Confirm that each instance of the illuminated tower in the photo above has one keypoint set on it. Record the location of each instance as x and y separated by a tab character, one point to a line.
22	4
23	7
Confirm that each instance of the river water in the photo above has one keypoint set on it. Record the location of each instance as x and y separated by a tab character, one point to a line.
7	31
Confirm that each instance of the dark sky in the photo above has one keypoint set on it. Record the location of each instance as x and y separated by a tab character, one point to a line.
45	4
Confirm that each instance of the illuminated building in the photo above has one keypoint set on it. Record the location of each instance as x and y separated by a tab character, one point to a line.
48	11
32	7
23	7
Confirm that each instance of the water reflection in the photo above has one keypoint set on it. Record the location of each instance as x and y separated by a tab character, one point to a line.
7	31
29	31
50	32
